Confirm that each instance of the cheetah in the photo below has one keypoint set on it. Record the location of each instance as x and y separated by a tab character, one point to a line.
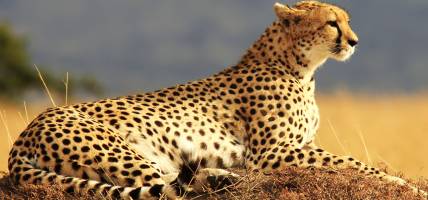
259	114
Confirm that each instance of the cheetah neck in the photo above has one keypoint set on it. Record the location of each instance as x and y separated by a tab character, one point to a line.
293	55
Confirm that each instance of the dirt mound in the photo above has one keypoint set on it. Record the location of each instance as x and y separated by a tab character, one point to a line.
292	183
9	190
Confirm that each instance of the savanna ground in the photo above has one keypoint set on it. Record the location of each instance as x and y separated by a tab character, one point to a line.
387	131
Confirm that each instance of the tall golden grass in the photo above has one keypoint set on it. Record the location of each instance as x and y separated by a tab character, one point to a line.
387	131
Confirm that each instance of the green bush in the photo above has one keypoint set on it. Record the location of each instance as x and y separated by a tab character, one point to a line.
18	75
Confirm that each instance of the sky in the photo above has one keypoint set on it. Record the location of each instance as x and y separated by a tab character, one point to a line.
142	45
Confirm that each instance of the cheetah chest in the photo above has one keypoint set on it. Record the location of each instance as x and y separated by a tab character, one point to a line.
312	124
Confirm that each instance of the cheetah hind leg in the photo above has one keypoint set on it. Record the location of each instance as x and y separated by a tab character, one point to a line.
213	179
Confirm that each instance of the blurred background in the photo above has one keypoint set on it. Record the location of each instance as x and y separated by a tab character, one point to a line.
112	47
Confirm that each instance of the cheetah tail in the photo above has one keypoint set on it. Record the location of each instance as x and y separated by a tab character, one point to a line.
22	171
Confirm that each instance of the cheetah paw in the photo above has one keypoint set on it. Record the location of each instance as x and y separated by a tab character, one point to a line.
214	179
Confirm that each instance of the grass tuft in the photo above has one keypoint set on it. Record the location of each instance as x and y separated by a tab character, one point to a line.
45	86
6	127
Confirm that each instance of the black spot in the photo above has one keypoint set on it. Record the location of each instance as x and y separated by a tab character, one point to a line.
48	140
138	120
74	157
147	178
156	175
128	165
85	149
66	141
113	169
311	160
55	146
136	173
85	175
276	165
187	171
115	194
67	180
77	139
220	163
111	138
135	193
66	150
156	190
264	165
70	189
83	184
289	158
130	181
271	156
144	166
26	177
98	159
125	173
203	146
158	123
58	135
46	158
97	147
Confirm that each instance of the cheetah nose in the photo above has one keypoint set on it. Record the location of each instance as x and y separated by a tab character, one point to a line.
352	42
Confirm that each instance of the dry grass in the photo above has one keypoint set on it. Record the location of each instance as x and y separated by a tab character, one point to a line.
394	130
8	190
354	125
292	184
296	183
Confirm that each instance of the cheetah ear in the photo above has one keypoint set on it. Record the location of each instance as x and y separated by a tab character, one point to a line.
285	12
278	8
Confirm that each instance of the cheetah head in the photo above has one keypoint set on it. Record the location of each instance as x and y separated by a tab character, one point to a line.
321	29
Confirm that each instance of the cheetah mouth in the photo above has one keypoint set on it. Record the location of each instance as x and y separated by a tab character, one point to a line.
337	49
341	53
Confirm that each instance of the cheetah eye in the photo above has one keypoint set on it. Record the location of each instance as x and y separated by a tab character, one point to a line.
332	23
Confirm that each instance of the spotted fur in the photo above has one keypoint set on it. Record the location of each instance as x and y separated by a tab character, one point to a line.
259	114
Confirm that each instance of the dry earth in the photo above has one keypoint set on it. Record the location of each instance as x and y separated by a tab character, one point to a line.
292	183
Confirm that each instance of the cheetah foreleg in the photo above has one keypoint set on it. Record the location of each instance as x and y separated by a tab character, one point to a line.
213	179
309	157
